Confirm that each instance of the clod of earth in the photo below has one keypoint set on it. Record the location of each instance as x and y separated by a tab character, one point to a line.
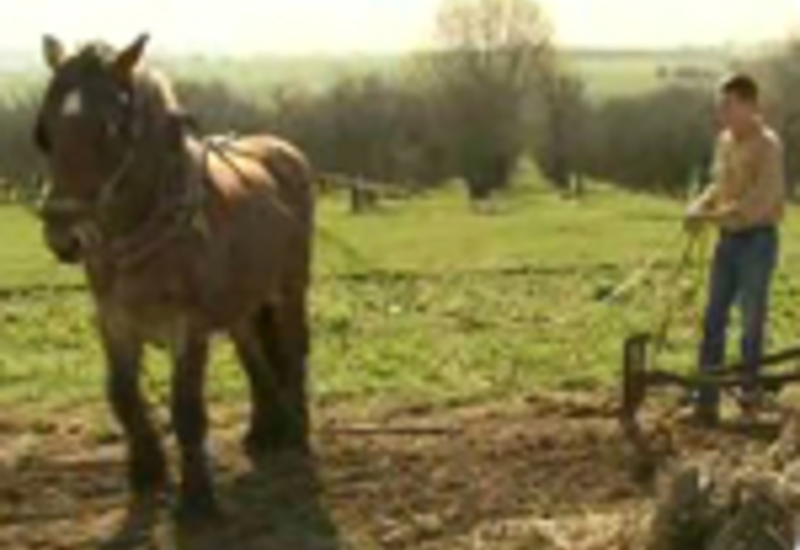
704	511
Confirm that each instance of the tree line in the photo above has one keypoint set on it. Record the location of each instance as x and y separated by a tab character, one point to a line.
494	91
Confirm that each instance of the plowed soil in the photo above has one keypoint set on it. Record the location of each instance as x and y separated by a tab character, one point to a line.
547	472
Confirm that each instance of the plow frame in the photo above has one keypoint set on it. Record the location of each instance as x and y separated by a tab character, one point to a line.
639	377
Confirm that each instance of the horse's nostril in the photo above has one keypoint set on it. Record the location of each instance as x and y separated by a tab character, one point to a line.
62	243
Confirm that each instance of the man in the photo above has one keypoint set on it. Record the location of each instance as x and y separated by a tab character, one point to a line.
746	202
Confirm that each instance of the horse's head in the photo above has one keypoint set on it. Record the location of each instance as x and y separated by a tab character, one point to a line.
86	126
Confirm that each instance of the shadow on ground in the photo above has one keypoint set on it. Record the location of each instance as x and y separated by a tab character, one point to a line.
275	506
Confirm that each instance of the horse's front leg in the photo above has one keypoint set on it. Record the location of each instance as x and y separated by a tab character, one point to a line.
197	500
147	467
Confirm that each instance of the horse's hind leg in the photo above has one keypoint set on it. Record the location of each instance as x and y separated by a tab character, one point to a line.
263	387
191	425
147	468
283	332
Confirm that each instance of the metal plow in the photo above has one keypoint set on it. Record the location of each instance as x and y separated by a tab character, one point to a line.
639	378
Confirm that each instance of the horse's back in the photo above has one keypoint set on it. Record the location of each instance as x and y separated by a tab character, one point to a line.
248	166
261	212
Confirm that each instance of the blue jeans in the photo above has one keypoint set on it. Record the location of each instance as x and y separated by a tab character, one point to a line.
742	271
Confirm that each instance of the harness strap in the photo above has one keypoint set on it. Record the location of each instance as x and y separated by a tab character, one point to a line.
171	219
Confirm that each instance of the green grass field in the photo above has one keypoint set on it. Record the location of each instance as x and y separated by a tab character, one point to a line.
421	301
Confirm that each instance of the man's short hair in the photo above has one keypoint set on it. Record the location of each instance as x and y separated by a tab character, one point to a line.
742	86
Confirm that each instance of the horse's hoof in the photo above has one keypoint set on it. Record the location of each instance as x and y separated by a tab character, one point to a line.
201	511
148	500
146	504
258	446
150	480
264	455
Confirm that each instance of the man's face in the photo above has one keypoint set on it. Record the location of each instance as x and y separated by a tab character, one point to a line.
735	114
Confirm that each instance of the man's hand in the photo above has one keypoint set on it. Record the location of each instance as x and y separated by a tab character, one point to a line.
696	219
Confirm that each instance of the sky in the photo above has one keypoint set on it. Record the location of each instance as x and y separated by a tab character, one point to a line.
346	26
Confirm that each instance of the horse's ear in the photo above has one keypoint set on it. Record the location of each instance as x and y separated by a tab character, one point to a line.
127	60
53	50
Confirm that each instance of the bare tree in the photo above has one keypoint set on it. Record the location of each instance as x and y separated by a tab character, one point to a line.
560	150
491	54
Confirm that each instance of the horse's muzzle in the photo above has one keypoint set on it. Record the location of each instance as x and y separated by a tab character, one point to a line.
63	243
68	228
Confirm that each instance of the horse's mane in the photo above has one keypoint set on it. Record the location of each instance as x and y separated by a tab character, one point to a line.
158	88
95	52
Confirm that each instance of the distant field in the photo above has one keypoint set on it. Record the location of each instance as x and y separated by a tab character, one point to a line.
606	74
419	302
620	73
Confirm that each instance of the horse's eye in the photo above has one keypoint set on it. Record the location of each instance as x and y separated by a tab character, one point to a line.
40	137
124	98
112	129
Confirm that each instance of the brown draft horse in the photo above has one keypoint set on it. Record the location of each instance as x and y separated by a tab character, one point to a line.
180	238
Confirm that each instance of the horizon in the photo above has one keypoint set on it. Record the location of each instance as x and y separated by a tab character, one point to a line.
349	27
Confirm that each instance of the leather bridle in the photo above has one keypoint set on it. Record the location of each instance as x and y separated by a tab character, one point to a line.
168	217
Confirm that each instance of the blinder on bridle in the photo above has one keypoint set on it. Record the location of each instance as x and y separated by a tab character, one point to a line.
122	126
40	137
126	128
